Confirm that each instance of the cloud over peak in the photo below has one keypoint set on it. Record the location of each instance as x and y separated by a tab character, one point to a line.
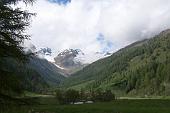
96	25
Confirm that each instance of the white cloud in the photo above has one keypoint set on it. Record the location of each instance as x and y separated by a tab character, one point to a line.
78	24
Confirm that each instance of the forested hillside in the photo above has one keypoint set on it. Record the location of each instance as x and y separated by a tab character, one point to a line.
35	75
48	71
142	68
15	78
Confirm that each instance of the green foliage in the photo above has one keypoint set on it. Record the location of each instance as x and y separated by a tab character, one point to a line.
103	96
68	96
141	68
60	96
9	84
71	96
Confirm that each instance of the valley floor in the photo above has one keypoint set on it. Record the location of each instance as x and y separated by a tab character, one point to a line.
49	105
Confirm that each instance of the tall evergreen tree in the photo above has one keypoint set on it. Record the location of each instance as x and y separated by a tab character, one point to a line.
13	23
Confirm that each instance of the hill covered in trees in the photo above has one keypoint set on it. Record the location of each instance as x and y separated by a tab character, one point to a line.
142	68
36	75
48	71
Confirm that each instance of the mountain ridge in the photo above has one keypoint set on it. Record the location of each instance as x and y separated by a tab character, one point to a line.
131	70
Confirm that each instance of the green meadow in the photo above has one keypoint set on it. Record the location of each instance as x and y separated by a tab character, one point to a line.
50	105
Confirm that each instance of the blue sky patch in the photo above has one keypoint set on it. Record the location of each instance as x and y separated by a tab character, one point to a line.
100	37
107	45
60	2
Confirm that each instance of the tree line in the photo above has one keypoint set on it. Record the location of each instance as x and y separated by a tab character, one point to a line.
72	96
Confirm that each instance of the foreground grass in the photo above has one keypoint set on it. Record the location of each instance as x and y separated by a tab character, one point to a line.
117	106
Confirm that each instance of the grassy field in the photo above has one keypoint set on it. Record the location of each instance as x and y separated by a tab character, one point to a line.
49	105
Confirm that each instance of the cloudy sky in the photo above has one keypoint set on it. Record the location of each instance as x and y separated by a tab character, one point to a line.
96	25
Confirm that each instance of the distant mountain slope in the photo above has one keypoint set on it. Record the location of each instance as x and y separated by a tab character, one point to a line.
142	68
43	64
36	75
16	77
48	71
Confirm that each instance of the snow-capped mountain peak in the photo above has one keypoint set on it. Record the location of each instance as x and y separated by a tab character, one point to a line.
67	52
69	60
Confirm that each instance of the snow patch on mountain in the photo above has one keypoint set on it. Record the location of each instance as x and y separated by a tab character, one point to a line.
91	57
59	66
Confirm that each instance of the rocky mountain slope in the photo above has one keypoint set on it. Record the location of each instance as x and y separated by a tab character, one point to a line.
68	62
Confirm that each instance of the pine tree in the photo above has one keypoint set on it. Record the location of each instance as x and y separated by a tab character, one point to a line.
13	23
